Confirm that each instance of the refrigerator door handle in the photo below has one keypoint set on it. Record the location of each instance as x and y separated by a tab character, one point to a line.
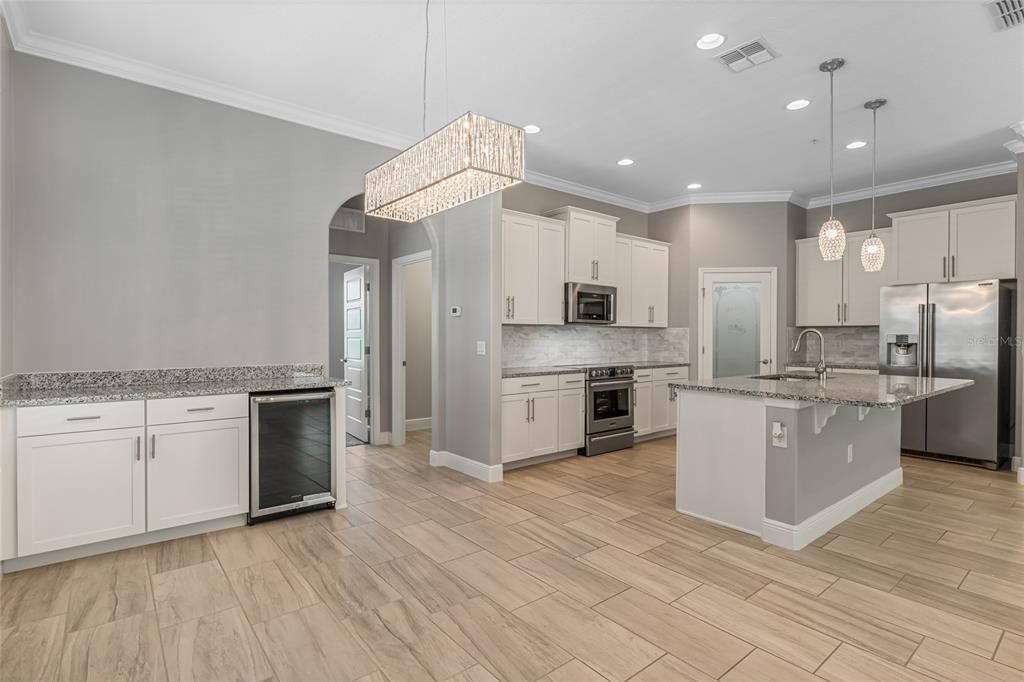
922	340
930	340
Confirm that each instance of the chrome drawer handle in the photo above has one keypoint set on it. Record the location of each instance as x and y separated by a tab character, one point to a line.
200	409
528	385
83	419
574	381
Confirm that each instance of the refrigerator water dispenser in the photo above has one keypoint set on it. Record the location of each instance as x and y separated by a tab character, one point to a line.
901	351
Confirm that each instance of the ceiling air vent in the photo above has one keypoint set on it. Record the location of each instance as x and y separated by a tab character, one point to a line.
751	54
1009	13
349	219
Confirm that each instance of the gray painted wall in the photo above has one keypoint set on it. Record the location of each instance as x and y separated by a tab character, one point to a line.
856	215
536	199
6	204
154	229
416	296
812	472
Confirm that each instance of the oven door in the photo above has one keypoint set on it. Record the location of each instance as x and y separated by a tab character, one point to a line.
609	405
589	303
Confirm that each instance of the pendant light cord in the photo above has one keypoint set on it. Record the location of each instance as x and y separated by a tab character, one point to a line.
426	50
874	163
831	142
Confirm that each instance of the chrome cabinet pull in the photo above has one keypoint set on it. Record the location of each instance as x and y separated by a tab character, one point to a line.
527	403
528	385
138	448
508	308
839	313
846	313
513	307
943	267
598	262
83	419
952	266
152	447
200	409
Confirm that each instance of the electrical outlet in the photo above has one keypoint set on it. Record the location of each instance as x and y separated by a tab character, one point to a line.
849	453
780	435
481	348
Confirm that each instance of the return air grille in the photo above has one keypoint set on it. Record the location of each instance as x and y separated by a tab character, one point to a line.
749	55
1010	13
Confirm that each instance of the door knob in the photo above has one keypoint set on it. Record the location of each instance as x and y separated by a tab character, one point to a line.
765	362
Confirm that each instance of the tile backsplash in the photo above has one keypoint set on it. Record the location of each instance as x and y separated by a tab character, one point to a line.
537	346
842	344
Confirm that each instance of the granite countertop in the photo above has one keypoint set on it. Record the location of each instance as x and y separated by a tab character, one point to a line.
863	390
834	365
541	370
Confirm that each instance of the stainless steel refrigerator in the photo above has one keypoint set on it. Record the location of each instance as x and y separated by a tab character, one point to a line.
962	330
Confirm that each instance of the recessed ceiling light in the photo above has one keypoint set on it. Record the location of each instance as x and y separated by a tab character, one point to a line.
798	104
531	129
694	185
710	41
625	162
857	144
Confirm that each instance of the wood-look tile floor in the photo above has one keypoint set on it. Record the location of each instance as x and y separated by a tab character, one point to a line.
568	571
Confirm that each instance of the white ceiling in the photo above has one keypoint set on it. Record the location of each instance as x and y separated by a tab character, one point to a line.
605	80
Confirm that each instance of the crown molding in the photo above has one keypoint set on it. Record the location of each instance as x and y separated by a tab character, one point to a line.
1018	128
570	187
918	183
1015	146
723	198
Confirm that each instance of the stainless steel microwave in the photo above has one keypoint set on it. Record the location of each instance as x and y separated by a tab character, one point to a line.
589	303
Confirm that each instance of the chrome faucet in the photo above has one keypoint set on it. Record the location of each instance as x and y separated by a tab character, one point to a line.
820	369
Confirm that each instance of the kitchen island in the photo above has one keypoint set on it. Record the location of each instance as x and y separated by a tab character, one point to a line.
787	459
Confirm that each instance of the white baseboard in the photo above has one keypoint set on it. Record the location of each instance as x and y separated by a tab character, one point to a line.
1020	476
420	424
470	467
809	530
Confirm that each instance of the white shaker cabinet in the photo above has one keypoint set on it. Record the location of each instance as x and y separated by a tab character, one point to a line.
623	281
197	471
648	283
860	288
642	403
663	415
590	254
958	242
840	292
79	488
571	419
533	264
529	425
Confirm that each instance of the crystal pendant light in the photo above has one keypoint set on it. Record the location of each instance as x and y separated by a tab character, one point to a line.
832	236
872	251
470	157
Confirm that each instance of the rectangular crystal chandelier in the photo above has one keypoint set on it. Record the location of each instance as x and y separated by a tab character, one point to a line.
468	158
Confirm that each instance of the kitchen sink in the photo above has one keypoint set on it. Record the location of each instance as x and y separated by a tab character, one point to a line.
785	377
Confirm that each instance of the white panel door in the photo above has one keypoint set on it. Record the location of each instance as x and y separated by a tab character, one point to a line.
922	248
580	258
543	423
861	300
658	282
551	273
604	250
357	398
571	418
623	282
641	284
197	472
737	324
642	404
661	408
819	287
521	269
79	488
981	242
515	427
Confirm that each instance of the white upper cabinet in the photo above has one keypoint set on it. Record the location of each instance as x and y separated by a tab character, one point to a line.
860	288
623	281
956	243
533	263
982	242
590	245
648	283
836	293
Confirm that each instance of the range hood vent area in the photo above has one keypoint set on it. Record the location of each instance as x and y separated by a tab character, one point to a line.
748	55
1009	13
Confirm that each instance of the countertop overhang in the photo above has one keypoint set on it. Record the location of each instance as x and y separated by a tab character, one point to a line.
862	390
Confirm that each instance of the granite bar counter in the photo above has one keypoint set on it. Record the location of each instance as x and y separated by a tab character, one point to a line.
787	459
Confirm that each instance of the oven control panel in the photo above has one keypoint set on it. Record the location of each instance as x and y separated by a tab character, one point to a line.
610	372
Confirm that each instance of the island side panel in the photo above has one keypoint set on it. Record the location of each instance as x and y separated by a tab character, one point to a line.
720	457
813	484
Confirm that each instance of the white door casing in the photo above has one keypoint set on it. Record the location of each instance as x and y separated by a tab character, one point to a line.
398	354
766	278
356	394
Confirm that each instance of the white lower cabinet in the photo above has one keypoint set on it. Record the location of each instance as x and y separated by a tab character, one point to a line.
529	425
572	406
642	403
197	471
663	412
79	488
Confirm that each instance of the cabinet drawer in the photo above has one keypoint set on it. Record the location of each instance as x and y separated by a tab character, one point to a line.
38	421
643	375
669	373
572	380
197	408
548	382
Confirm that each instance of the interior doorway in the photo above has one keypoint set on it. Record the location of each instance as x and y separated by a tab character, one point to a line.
737	322
354	320
412	338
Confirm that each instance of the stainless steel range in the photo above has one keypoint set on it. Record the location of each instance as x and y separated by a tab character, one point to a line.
610	392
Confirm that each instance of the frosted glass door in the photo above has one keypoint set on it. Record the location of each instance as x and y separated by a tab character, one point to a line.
738	325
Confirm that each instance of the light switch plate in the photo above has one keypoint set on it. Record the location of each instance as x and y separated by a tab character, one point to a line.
481	348
780	435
